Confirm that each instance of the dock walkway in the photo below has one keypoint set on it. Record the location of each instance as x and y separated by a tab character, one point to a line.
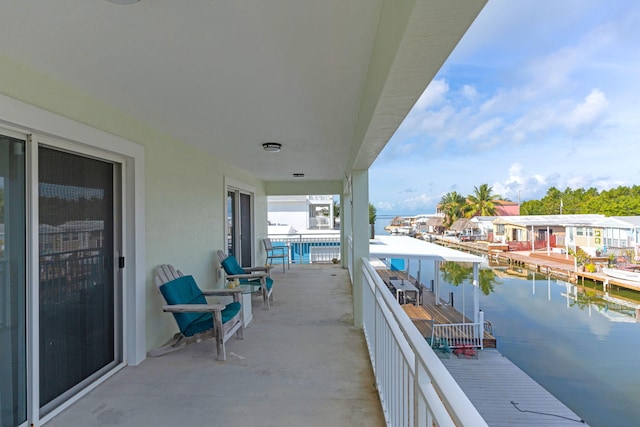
505	395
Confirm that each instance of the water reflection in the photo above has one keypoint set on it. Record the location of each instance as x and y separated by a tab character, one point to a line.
578	342
613	308
456	274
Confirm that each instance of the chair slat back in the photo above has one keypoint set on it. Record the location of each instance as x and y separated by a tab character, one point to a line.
166	273
221	256
267	244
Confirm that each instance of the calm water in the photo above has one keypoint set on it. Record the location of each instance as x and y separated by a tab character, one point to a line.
570	346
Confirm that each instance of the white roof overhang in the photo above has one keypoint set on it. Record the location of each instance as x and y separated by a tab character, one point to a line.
404	247
330	80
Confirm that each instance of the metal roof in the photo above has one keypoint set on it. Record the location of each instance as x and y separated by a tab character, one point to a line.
620	222
544	220
410	248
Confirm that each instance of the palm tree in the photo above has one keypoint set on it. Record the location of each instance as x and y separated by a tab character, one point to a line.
372	214
481	202
372	221
454	207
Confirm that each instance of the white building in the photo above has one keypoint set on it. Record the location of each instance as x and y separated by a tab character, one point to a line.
303	213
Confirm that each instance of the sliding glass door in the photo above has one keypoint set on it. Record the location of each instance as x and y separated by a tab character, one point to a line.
240	226
78	297
13	354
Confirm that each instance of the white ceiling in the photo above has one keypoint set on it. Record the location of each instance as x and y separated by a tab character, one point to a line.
330	80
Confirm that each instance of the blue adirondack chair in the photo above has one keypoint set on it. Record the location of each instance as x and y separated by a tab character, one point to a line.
257	276
196	318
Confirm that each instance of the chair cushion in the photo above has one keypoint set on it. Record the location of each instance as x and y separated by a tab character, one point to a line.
230	310
184	290
231	266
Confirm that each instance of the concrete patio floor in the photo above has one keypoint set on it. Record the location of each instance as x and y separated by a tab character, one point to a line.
302	363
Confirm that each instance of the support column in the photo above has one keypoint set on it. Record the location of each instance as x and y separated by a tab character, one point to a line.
345	228
360	236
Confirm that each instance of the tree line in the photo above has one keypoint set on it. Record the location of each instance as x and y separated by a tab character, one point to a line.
620	201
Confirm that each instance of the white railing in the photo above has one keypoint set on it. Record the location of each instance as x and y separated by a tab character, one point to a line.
415	388
323	198
459	335
324	253
301	245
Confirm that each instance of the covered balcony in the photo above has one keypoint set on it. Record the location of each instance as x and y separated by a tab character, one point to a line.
302	362
160	128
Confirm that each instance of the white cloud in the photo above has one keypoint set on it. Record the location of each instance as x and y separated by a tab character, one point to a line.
469	92
521	184
417	203
385	206
555	71
436	121
586	114
486	128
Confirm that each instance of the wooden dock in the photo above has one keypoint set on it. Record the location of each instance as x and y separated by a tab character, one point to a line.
429	312
554	264
558	265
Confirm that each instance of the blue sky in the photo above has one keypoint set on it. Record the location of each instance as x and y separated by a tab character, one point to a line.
537	94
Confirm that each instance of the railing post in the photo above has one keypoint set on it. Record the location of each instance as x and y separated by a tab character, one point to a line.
300	249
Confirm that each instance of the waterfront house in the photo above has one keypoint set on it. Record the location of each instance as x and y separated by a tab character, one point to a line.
464	226
435	225
484	226
172	122
596	234
616	235
540	230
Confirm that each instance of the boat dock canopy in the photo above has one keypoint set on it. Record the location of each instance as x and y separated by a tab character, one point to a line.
411	248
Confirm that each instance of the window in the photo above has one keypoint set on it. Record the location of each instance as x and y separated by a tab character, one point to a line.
240	223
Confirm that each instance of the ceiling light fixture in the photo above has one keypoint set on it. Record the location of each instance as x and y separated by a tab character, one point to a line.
272	147
123	1
298	175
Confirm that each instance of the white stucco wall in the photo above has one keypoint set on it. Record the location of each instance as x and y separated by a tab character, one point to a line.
184	192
